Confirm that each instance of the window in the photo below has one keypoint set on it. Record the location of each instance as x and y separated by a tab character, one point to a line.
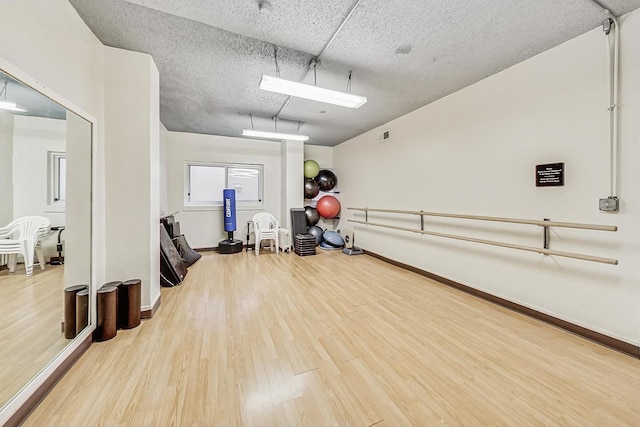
205	181
57	178
206	184
246	182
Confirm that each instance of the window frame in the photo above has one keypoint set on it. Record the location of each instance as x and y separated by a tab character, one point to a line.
217	205
55	200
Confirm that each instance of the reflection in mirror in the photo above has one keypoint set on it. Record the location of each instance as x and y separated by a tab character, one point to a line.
45	172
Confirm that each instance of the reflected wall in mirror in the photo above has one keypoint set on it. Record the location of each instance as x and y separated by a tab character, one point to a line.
45	171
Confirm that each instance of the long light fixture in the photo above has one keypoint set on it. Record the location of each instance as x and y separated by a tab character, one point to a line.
8	105
11	106
301	90
274	135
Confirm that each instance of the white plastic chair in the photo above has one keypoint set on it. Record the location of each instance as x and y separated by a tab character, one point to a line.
265	227
22	237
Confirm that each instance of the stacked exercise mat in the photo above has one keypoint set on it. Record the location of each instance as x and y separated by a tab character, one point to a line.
304	244
175	253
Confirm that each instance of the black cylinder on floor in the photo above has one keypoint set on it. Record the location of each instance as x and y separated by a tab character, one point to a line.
82	310
107	308
129	300
70	309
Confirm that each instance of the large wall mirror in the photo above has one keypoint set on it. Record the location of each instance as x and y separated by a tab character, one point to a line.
45	172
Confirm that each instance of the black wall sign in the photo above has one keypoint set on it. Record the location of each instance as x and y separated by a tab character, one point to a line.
550	175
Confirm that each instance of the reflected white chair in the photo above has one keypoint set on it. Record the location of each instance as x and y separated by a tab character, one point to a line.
5	233
22	237
265	227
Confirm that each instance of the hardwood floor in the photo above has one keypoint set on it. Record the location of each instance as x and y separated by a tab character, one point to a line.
31	311
338	340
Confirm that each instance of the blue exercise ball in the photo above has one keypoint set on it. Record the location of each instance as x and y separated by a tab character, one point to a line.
325	245
333	238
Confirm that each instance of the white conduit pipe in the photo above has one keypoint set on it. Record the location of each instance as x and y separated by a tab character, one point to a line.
614	74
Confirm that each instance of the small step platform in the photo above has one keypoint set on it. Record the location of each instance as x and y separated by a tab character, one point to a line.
304	244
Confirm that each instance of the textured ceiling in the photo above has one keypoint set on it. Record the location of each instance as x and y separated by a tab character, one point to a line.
404	54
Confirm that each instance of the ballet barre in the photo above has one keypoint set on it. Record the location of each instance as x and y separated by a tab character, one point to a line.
546	224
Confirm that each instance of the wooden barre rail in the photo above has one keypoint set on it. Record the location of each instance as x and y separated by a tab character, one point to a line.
497	219
494	243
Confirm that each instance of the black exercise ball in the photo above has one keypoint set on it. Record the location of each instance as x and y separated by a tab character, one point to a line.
311	188
316	232
326	179
312	215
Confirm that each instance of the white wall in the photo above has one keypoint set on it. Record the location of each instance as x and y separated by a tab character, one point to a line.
61	57
474	152
6	169
132	170
205	228
164	183
64	59
292	180
33	139
153	211
321	154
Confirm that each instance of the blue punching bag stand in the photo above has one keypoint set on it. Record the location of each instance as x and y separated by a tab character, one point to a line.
229	245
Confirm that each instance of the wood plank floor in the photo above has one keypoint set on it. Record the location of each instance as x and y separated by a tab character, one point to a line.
31	311
337	340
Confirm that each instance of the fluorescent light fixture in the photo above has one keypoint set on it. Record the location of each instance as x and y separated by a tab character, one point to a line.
301	90
11	106
274	135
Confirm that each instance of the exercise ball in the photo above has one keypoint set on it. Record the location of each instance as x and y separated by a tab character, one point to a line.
311	188
326	246
316	232
328	207
326	179
333	238
311	168
312	215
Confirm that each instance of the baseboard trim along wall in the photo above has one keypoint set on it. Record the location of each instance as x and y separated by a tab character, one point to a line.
149	313
605	340
30	404
215	248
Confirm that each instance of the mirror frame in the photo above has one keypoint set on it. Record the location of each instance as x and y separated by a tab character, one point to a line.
21	404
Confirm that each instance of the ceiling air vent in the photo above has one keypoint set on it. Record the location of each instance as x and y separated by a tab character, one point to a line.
384	136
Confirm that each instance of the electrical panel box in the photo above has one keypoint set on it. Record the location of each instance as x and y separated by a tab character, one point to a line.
610	204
